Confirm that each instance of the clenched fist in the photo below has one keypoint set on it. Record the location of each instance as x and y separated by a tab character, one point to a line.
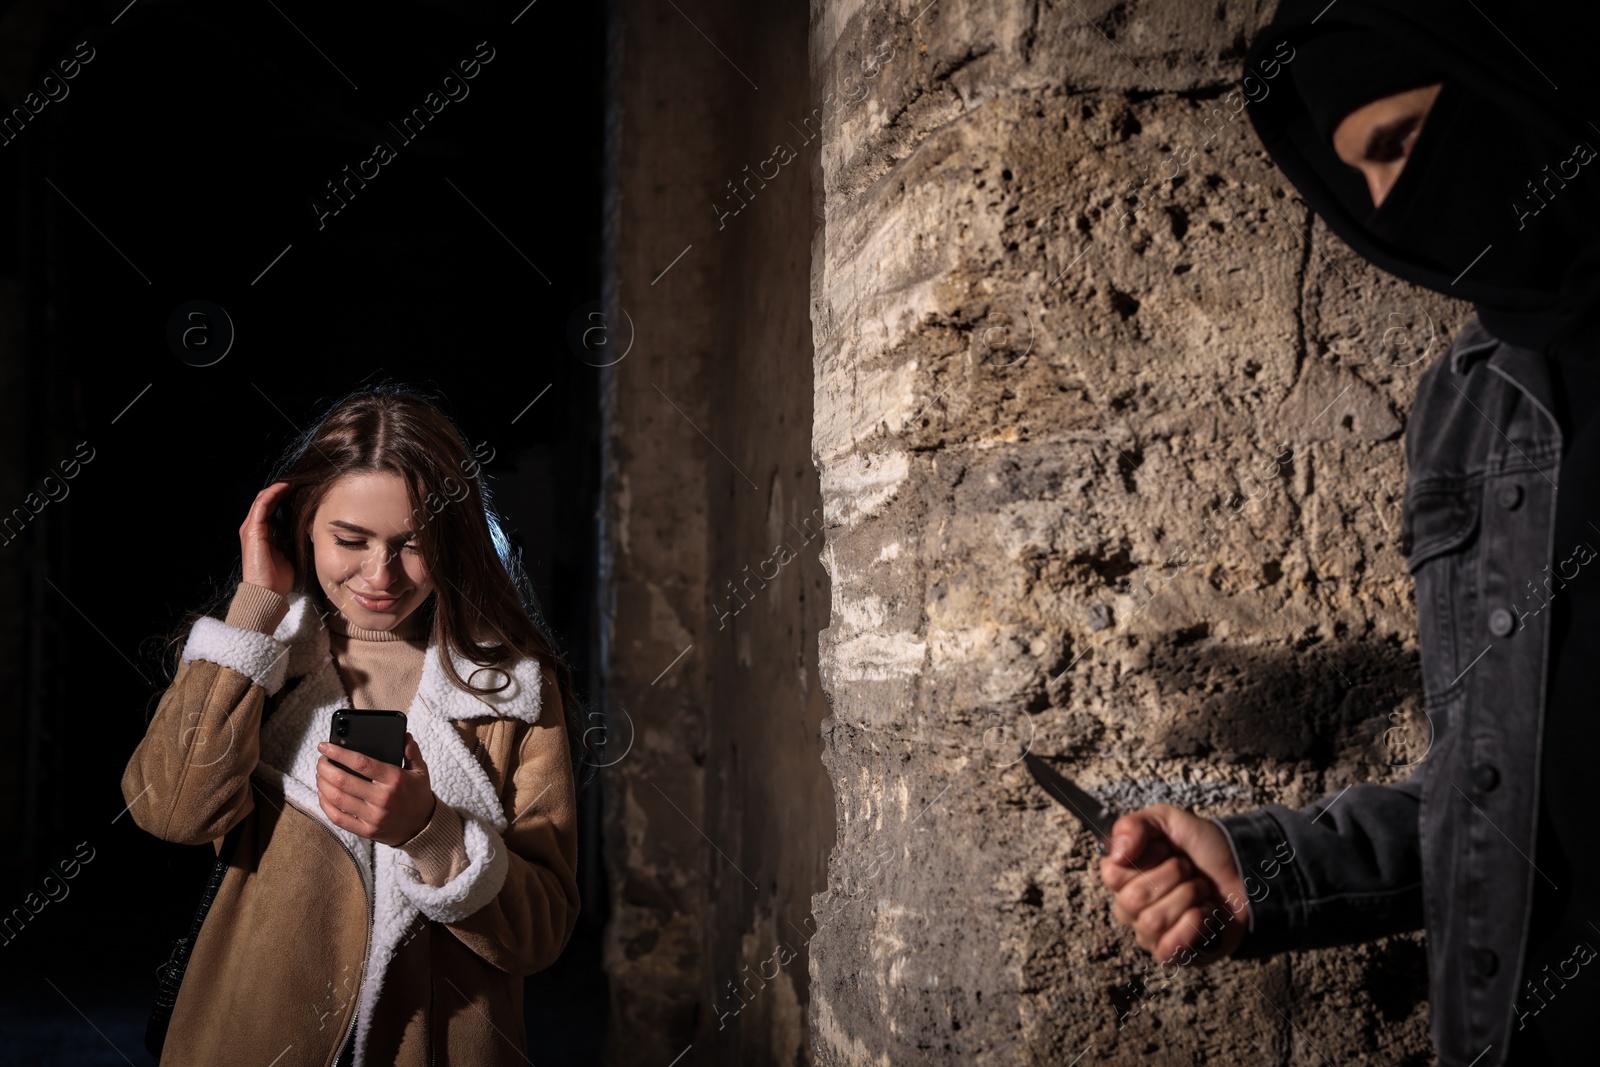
1175	885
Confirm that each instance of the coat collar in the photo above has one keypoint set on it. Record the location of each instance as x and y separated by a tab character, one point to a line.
1524	368
1473	343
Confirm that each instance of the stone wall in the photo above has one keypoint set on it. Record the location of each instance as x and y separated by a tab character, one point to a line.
719	813
1108	434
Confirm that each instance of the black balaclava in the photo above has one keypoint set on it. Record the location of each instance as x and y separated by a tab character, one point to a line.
1499	201
1340	69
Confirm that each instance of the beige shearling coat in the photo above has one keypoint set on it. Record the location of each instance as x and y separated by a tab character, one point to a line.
313	922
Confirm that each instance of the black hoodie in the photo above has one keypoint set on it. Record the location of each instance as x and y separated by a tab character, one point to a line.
1522	94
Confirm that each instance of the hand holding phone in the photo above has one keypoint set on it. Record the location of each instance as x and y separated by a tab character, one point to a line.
382	790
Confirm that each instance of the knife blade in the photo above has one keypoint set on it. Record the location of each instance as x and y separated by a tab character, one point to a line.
1089	810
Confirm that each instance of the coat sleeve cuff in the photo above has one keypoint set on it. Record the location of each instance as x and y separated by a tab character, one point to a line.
1277	908
439	850
259	656
476	885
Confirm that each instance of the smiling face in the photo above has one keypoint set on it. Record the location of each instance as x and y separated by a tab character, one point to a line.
367	558
1377	137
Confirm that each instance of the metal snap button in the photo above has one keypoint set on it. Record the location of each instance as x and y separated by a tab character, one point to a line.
1485	962
1501	622
1485	777
1509	496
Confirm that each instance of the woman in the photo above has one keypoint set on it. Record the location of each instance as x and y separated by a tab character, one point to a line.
388	921
1454	146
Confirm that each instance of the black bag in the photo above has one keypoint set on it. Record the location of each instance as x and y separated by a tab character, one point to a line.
171	972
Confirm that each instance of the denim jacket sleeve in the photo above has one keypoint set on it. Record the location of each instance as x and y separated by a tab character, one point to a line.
1352	862
1346	868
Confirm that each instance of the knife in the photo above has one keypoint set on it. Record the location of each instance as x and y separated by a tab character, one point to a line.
1091	812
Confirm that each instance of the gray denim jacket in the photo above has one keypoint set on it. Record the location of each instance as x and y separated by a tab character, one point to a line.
1449	849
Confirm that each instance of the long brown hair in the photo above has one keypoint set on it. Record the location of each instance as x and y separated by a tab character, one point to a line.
483	606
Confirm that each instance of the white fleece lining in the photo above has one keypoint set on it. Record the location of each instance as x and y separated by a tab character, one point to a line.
469	890
289	757
256	655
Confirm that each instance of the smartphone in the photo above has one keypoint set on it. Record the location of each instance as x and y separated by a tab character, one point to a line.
379	734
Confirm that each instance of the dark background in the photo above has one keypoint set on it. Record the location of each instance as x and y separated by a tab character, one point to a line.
180	165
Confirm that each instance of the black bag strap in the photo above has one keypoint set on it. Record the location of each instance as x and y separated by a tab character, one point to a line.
170	975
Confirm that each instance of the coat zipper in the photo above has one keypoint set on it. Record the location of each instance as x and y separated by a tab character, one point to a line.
430	1007
367	889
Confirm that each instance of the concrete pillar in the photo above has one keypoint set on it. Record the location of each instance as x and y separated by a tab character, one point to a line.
1108	435
719	814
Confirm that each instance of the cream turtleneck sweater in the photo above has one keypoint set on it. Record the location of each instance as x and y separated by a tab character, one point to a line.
380	670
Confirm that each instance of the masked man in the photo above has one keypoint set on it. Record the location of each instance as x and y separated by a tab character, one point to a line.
1432	137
